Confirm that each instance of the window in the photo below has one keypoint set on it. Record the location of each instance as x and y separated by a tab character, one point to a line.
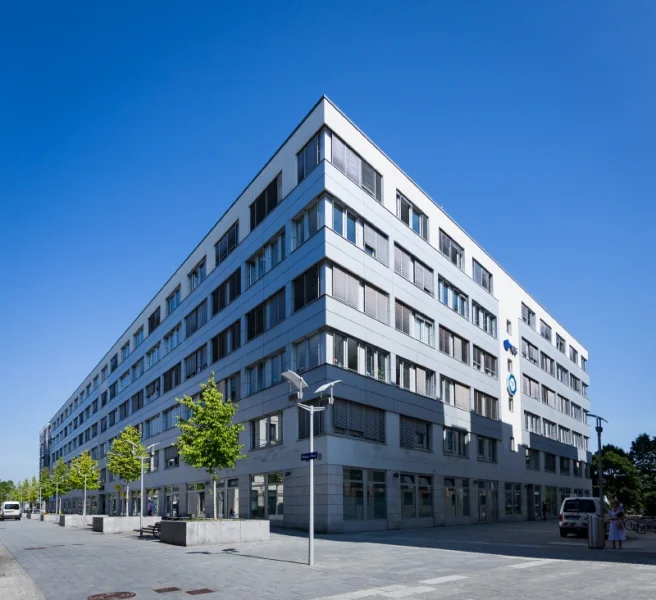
484	319
513	498
486	449
172	378
575	383
530	351
532	423
577	440
154	320
586	443
230	387
584	390
482	276
227	341
266	258
547	364
549	462
530	387
137	369
577	412
171	457
415	378
226	292
560	343
346	288
486	405
564	466
265	373
508	327
227	243
511	404
355	168
562	374
304	422
455	393
308	353
266	431
550	430
453	251
584	364
453	298
95	379
151	427
266	201
153	390
454	345
528	316
112	418
548	397
266	315
124	410
456	442
113	390
196	362
545	330
376	243
309	157
358	485
416	496
104	373
350	353
169	416
196	319
103	399
125	351
563	405
137	401
414	324
94	406
576	471
359	420
485	362
173	301
573	355
532	459
415	433
513	448
307	287
113	363
411	215
410	268
152	356
124	381
306	224
456	497
564	435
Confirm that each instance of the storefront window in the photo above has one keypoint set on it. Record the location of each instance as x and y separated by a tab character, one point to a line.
355	482
456	496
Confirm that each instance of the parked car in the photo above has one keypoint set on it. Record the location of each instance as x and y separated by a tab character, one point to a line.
10	510
574	514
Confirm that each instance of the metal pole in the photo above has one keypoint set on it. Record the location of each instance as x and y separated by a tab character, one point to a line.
599	429
84	506
141	507
57	497
311	528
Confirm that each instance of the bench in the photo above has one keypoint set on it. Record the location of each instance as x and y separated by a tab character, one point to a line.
153	530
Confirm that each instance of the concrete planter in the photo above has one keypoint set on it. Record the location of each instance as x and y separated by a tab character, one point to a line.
210	533
50	518
121	524
76	520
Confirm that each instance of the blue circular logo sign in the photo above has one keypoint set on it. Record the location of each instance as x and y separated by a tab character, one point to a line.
512	385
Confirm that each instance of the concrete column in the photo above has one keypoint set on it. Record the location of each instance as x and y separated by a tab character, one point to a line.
393	499
438	500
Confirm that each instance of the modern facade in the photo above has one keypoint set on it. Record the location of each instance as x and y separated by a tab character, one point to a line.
461	398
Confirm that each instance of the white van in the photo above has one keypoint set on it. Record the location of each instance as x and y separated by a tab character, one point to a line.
10	510
574	514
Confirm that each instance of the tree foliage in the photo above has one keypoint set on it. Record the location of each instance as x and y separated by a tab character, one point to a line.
84	465
622	479
46	484
123	459
7	490
60	477
33	493
208	438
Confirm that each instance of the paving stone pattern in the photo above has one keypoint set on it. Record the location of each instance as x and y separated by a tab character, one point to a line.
520	560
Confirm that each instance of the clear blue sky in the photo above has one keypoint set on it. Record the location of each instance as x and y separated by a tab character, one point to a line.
126	131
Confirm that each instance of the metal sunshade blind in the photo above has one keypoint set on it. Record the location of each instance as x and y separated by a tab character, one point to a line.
356	417
408	430
345	287
421	380
462	396
339	154
372	417
340	414
402	262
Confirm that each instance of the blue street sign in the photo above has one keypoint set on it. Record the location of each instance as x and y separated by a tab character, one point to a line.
309	455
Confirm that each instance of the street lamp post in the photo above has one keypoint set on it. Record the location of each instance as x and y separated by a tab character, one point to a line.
84	505
599	429
141	501
299	383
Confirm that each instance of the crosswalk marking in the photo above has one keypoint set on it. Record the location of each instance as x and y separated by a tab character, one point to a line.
533	563
444	579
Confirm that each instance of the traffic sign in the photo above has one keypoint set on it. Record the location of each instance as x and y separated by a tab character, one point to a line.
309	456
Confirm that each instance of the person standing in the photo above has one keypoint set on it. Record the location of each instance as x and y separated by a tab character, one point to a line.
150	507
616	530
544	511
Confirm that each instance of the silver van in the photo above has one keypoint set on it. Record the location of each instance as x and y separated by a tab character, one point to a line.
10	510
574	514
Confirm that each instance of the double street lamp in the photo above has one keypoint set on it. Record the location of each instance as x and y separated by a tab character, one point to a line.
299	383
599	429
141	502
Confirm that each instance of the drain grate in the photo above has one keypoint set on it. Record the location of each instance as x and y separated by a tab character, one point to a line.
112	596
200	591
167	590
36	548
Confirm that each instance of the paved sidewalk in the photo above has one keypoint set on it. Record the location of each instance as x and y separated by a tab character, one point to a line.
14	582
520	560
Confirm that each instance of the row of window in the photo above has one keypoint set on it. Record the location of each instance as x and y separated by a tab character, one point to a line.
546	363
531	388
540	426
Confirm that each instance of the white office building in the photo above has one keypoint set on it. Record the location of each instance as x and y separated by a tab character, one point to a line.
461	400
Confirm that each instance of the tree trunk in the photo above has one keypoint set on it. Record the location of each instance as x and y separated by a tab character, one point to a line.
214	496
127	499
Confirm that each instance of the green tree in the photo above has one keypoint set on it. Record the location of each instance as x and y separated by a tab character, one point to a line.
622	480
84	473
124	457
33	494
7	490
60	481
45	484
208	438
